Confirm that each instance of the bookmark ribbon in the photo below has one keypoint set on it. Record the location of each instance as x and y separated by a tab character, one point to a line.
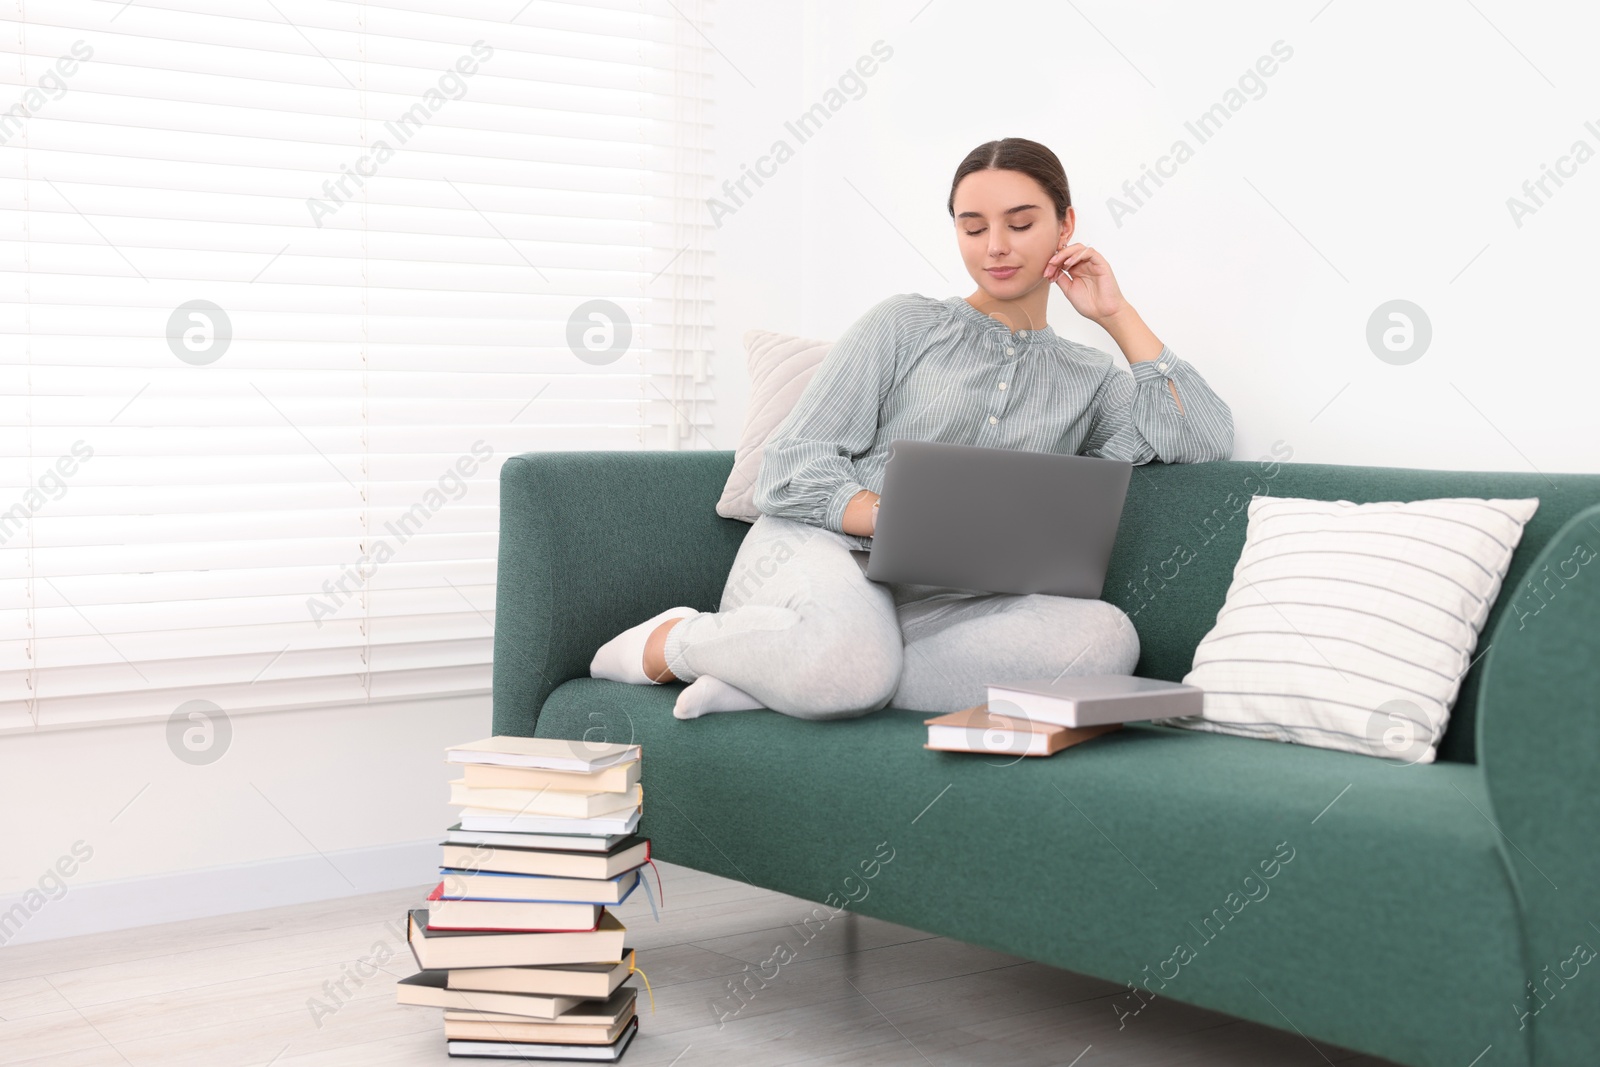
633	968
649	894
653	867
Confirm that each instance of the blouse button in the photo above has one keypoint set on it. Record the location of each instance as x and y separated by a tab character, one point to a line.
1002	385
993	420
1161	366
1010	351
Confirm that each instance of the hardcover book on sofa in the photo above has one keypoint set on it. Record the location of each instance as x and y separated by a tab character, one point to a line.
977	729
1079	700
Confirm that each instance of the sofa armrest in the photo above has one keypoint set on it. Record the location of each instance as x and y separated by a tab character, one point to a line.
1539	748
590	544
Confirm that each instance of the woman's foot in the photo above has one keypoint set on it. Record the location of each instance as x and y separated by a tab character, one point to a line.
626	657
707	694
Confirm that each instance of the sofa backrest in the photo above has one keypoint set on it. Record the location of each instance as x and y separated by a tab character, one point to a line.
591	542
1184	525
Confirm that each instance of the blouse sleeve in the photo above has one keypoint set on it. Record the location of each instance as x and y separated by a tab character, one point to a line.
808	464
1138	420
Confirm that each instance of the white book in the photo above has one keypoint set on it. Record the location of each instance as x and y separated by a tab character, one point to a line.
996	741
547	753
542	1050
429	989
564	842
490	819
1095	699
543	801
617	778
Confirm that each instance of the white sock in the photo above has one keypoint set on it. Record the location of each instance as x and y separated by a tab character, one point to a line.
621	659
707	694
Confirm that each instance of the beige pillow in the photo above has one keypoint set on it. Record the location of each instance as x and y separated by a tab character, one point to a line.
780	366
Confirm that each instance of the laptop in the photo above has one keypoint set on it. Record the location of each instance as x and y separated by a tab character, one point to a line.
997	520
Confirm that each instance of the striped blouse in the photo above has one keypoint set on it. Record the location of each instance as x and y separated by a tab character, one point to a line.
922	369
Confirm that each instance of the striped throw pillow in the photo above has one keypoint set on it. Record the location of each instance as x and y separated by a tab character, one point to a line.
1350	626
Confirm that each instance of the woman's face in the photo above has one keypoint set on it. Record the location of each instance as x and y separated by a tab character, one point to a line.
1005	219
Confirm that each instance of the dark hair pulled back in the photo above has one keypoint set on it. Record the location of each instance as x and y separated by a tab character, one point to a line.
1018	154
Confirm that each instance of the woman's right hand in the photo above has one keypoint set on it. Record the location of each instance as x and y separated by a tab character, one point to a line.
859	518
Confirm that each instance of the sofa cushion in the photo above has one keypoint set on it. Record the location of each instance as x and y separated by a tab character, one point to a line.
1105	858
781	366
1350	626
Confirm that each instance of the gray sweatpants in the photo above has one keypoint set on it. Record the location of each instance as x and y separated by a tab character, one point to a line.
804	631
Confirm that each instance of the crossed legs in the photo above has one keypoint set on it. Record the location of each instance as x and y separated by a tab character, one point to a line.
954	650
802	631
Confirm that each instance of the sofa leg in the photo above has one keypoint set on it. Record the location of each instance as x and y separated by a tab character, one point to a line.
852	941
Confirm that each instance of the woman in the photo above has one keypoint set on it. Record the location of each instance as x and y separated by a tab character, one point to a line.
801	629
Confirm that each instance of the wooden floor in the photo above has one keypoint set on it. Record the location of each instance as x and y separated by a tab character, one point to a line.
253	989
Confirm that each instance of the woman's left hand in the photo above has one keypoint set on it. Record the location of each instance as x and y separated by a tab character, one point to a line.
1091	286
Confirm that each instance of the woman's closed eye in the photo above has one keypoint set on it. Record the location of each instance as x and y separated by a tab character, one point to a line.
1019	229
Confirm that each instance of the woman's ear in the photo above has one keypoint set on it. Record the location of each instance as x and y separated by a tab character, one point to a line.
1068	224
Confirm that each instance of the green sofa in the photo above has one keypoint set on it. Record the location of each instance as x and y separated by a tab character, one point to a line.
1429	914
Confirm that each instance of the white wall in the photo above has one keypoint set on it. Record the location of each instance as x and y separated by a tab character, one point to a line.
1376	165
302	805
760	272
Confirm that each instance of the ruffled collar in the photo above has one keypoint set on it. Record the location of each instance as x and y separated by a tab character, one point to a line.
997	332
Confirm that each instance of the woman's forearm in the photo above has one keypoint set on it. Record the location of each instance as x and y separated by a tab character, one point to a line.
858	514
1138	342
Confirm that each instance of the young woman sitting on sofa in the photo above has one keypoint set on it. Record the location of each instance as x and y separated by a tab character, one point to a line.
801	629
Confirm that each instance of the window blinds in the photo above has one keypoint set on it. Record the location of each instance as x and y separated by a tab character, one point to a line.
282	284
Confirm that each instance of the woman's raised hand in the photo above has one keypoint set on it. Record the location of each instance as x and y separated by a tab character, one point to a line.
1085	277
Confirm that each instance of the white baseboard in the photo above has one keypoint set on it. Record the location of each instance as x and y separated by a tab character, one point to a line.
95	907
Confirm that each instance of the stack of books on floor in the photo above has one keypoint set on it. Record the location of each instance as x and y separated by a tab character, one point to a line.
518	944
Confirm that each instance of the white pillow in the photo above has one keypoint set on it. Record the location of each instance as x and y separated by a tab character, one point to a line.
1350	626
781	365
